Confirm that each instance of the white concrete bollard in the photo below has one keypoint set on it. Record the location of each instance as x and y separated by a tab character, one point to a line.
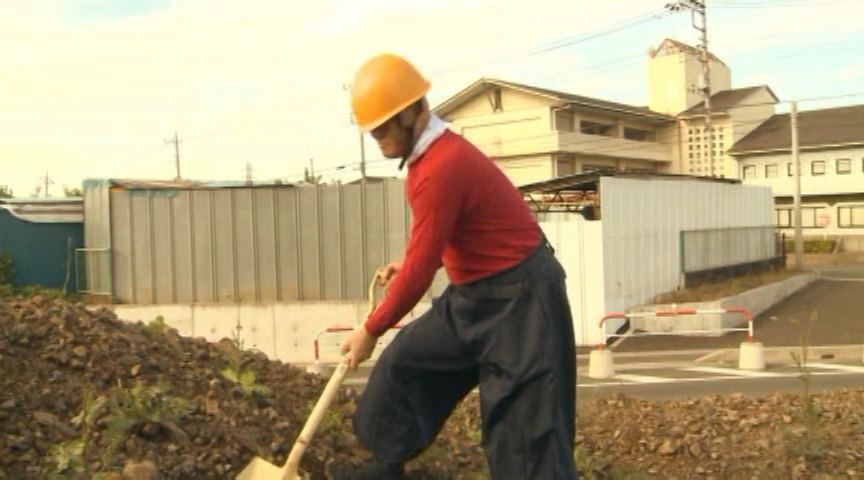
319	369
751	356
600	364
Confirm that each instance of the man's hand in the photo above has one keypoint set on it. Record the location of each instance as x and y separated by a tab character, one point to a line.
387	273
359	346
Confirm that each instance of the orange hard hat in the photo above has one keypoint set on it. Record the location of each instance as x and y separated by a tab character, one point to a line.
384	86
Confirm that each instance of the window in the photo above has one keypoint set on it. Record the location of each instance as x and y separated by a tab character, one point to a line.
790	169
594	128
782	217
785	216
844	166
496	100
749	171
851	216
636	134
817	167
771	170
564	121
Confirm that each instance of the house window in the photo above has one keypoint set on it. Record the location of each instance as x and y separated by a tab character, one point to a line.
594	128
636	134
817	167
782	217
844	166
851	216
790	169
749	171
785	217
771	170
564	121
497	106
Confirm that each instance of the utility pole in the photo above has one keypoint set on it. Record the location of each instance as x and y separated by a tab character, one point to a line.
176	142
347	88
796	159
46	181
697	7
248	173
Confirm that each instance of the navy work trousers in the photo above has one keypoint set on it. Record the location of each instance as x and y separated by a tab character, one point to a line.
513	335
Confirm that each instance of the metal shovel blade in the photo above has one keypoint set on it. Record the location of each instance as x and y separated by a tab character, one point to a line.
260	469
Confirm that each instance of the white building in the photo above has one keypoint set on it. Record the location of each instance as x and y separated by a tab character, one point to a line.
536	134
831	145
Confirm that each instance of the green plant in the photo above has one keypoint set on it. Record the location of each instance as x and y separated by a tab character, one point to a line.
813	442
6	291
70	456
7	269
593	467
140	408
157	326
239	370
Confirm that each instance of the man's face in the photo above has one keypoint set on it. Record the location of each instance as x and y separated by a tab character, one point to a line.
392	138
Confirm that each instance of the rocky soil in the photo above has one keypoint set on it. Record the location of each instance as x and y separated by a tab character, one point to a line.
85	395
157	405
732	437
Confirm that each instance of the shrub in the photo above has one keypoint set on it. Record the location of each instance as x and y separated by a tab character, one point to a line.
7	269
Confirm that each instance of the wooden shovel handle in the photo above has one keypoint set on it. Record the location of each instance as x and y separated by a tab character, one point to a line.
321	407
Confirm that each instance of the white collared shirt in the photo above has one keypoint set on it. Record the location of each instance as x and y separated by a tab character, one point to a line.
434	129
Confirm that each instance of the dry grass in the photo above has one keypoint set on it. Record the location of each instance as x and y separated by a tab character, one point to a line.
817	259
733	286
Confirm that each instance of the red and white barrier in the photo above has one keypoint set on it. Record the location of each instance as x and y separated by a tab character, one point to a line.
751	355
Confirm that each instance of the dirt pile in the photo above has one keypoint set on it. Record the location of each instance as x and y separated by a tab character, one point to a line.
85	395
729	437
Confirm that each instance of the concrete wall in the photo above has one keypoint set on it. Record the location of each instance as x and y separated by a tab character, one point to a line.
284	330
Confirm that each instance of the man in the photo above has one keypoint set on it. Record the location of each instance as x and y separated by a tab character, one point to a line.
503	323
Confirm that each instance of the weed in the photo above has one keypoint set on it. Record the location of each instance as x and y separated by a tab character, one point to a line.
812	444
239	370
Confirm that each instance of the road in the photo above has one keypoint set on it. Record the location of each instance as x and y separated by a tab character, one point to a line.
669	367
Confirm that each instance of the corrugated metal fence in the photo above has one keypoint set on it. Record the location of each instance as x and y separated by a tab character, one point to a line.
252	244
722	247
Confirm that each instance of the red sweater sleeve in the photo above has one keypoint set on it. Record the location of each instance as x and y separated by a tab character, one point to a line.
436	203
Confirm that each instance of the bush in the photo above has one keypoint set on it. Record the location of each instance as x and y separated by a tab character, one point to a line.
813	246
6	290
7	269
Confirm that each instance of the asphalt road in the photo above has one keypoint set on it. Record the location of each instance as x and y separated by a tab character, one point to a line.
837	298
667	367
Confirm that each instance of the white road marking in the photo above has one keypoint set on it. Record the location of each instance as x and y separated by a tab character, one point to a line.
731	371
837	366
642	378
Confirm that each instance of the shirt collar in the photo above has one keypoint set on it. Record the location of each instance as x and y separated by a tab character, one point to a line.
434	129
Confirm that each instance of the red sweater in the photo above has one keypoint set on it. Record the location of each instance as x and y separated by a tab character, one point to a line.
467	217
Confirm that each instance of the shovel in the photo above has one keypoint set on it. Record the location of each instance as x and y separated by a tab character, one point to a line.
261	469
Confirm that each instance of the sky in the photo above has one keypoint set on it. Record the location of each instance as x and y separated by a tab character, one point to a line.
94	88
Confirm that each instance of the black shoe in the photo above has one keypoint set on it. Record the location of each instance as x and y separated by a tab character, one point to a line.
370	470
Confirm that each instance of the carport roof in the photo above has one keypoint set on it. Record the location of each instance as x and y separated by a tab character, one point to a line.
588	180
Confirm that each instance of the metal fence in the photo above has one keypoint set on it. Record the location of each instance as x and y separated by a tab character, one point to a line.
709	249
93	267
252	244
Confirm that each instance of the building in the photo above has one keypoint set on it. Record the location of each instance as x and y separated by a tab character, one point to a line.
536	134
42	234
831	143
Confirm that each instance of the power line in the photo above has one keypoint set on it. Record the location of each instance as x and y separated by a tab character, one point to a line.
176	142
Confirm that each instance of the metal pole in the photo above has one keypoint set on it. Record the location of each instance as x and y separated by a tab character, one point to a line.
799	241
706	83
362	157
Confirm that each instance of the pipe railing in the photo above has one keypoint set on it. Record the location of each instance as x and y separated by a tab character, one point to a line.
674	312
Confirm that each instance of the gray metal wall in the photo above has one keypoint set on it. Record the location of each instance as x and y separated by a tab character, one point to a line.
255	244
95	259
721	247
